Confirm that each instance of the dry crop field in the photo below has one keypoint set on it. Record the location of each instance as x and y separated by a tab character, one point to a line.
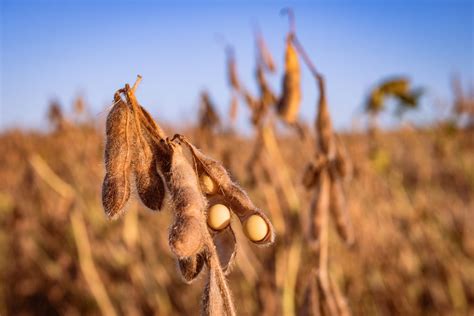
411	208
117	214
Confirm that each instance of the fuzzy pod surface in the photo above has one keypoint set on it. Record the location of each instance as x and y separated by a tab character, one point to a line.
187	231
118	155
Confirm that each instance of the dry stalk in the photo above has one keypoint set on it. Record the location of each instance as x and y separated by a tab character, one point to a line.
86	259
325	175
87	264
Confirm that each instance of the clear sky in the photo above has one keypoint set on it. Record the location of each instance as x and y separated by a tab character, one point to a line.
60	49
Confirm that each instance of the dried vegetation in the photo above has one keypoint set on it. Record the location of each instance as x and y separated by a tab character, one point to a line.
347	229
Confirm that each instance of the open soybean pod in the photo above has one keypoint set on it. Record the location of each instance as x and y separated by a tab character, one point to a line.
289	103
186	237
339	211
218	220
226	247
232	195
118	155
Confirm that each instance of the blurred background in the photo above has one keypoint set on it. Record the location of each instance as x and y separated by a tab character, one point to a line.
411	195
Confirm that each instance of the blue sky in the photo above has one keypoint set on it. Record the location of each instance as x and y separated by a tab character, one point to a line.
60	49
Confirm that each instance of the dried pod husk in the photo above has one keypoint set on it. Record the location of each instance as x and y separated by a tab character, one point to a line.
191	267
229	193
116	185
289	103
319	205
226	246
153	129
186	236
340	212
323	121
150	186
